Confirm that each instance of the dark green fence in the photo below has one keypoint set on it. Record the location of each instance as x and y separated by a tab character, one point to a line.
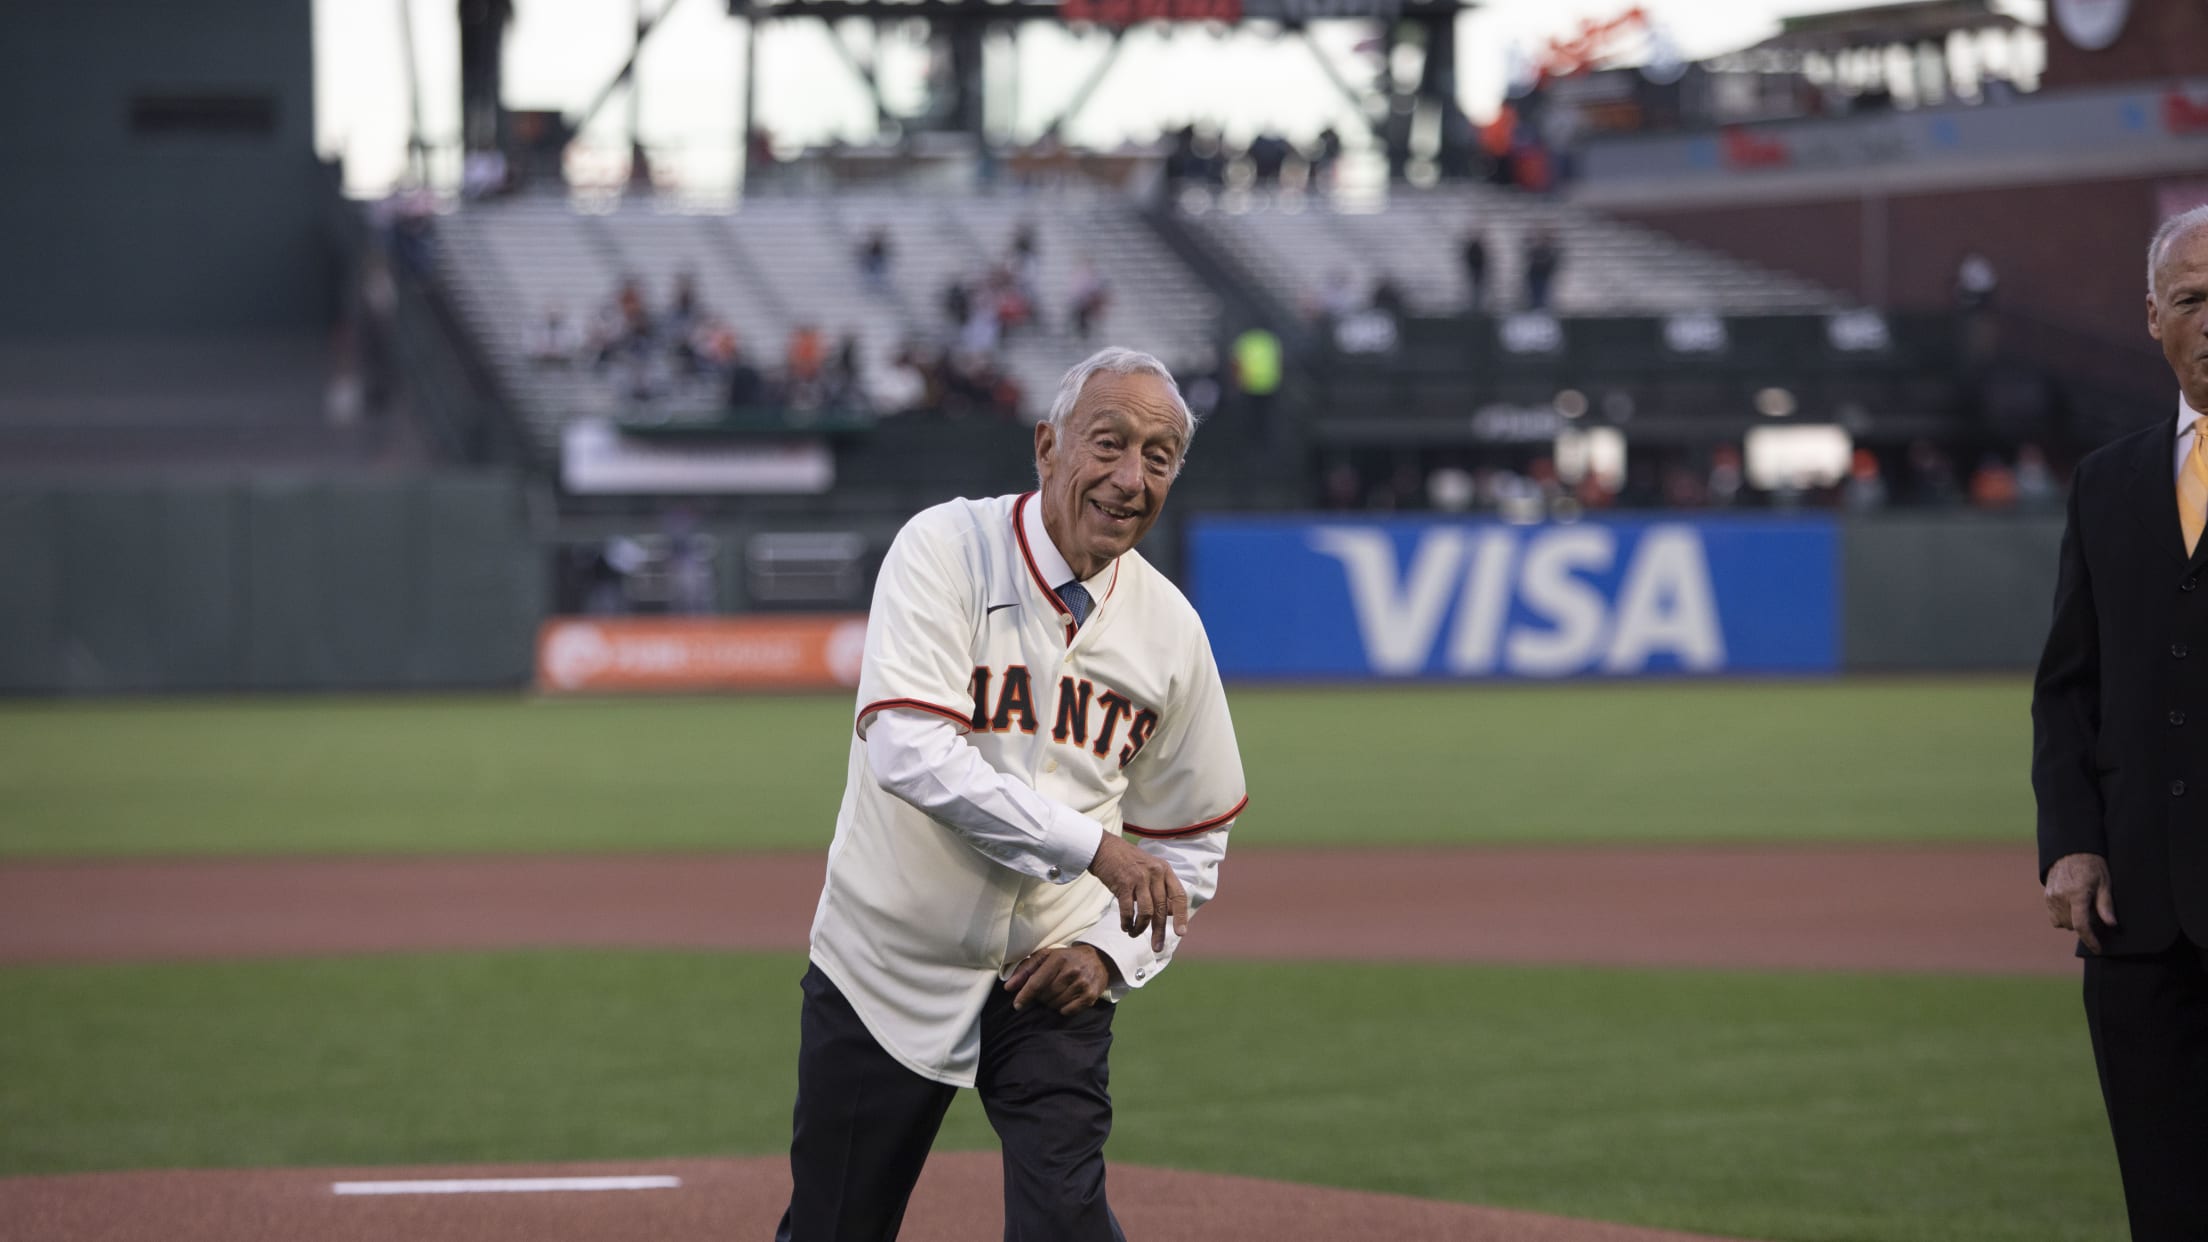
266	585
327	584
1946	591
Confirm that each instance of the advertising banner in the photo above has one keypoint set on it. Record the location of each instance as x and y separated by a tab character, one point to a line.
1418	598
591	654
595	458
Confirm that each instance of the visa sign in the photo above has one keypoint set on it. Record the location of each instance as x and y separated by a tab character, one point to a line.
1413	598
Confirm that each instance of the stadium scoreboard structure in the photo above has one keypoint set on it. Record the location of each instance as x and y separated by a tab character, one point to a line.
1109	13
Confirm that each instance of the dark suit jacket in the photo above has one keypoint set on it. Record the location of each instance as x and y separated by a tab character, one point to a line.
2120	707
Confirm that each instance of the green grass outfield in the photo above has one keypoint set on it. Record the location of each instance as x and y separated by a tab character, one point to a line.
1811	1107
1914	760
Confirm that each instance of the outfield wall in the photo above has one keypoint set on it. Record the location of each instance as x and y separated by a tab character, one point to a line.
1352	598
266	585
317	585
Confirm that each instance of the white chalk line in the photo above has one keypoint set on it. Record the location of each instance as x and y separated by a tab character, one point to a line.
503	1185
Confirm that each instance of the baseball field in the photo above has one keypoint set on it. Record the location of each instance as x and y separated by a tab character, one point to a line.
1746	960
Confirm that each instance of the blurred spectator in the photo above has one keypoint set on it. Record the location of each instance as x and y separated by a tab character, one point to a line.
747	387
1865	489
1256	373
1026	269
1269	154
685	312
555	342
483	174
1474	252
1338	297
806	354
1542	259
874	255
1199	383
690	577
1592	492
1323	161
2035	483
1497	138
958	303
1975	282
1726	481
843	373
409	219
1993	484
982	331
1182	166
760	164
902	386
685	317
636	318
608	593
1342	487
1450	489
713	348
1931	477
1092	296
1008	300
1682	489
1387	298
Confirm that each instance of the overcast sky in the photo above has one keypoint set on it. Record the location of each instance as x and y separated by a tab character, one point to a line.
559	53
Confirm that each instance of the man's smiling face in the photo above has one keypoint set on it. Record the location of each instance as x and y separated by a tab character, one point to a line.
1106	470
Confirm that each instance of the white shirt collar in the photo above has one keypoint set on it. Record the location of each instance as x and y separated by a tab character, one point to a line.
2186	416
1050	563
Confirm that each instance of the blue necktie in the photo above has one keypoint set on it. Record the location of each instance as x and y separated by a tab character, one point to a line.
1077	601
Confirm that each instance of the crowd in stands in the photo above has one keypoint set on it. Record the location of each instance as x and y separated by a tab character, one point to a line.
1922	475
1339	304
1197	157
681	351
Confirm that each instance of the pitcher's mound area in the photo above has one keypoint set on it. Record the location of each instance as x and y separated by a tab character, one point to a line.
959	1200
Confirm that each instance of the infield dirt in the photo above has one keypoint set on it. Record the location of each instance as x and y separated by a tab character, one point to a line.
1841	908
959	1200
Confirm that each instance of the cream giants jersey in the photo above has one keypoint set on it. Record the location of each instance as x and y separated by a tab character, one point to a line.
1123	720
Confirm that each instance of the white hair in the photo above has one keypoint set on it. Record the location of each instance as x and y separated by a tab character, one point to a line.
1118	361
2173	228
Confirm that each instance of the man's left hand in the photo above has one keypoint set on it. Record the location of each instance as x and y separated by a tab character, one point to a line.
1068	980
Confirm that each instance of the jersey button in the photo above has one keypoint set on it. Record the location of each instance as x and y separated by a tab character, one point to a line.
1051	766
2177	718
2178	650
2177	789
1054	873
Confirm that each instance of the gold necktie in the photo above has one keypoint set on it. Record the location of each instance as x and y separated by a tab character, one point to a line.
2192	488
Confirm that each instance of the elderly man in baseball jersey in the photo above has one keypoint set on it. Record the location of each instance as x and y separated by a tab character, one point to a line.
1034	693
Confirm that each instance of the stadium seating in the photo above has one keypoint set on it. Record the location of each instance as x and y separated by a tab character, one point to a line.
781	261
1295	246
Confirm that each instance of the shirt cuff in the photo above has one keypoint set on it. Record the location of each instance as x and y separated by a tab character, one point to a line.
1069	845
1138	963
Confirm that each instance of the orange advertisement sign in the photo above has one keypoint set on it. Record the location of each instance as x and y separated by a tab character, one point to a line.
700	653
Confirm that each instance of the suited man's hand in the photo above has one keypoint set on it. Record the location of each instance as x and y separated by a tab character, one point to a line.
1068	980
2077	889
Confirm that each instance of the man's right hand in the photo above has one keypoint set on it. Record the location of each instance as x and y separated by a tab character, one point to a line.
1148	891
2077	889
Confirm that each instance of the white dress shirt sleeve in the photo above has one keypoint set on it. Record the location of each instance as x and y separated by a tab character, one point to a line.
924	760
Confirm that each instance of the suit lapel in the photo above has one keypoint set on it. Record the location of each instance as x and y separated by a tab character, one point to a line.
2154	493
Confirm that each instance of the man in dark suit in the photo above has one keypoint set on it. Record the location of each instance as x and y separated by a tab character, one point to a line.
2120	761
